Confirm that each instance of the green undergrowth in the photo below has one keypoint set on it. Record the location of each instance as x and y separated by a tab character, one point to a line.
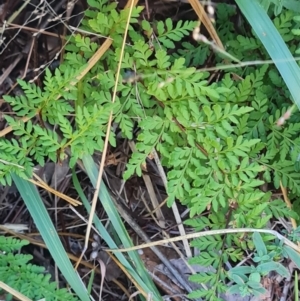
217	133
28	279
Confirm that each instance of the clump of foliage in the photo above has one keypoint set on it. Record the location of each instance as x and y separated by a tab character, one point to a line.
248	278
26	278
220	140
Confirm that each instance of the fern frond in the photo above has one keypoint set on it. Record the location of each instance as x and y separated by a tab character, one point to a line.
9	244
28	279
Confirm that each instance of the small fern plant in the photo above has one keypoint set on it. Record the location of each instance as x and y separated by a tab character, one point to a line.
218	141
28	279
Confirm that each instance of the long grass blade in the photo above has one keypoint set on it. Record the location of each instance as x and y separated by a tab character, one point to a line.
274	44
139	273
108	238
48	232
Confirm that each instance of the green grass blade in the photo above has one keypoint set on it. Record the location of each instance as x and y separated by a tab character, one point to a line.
43	222
107	237
274	44
143	278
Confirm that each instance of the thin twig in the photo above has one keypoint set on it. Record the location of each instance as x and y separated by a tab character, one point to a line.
126	216
174	206
289	205
153	198
101	168
13	292
209	233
